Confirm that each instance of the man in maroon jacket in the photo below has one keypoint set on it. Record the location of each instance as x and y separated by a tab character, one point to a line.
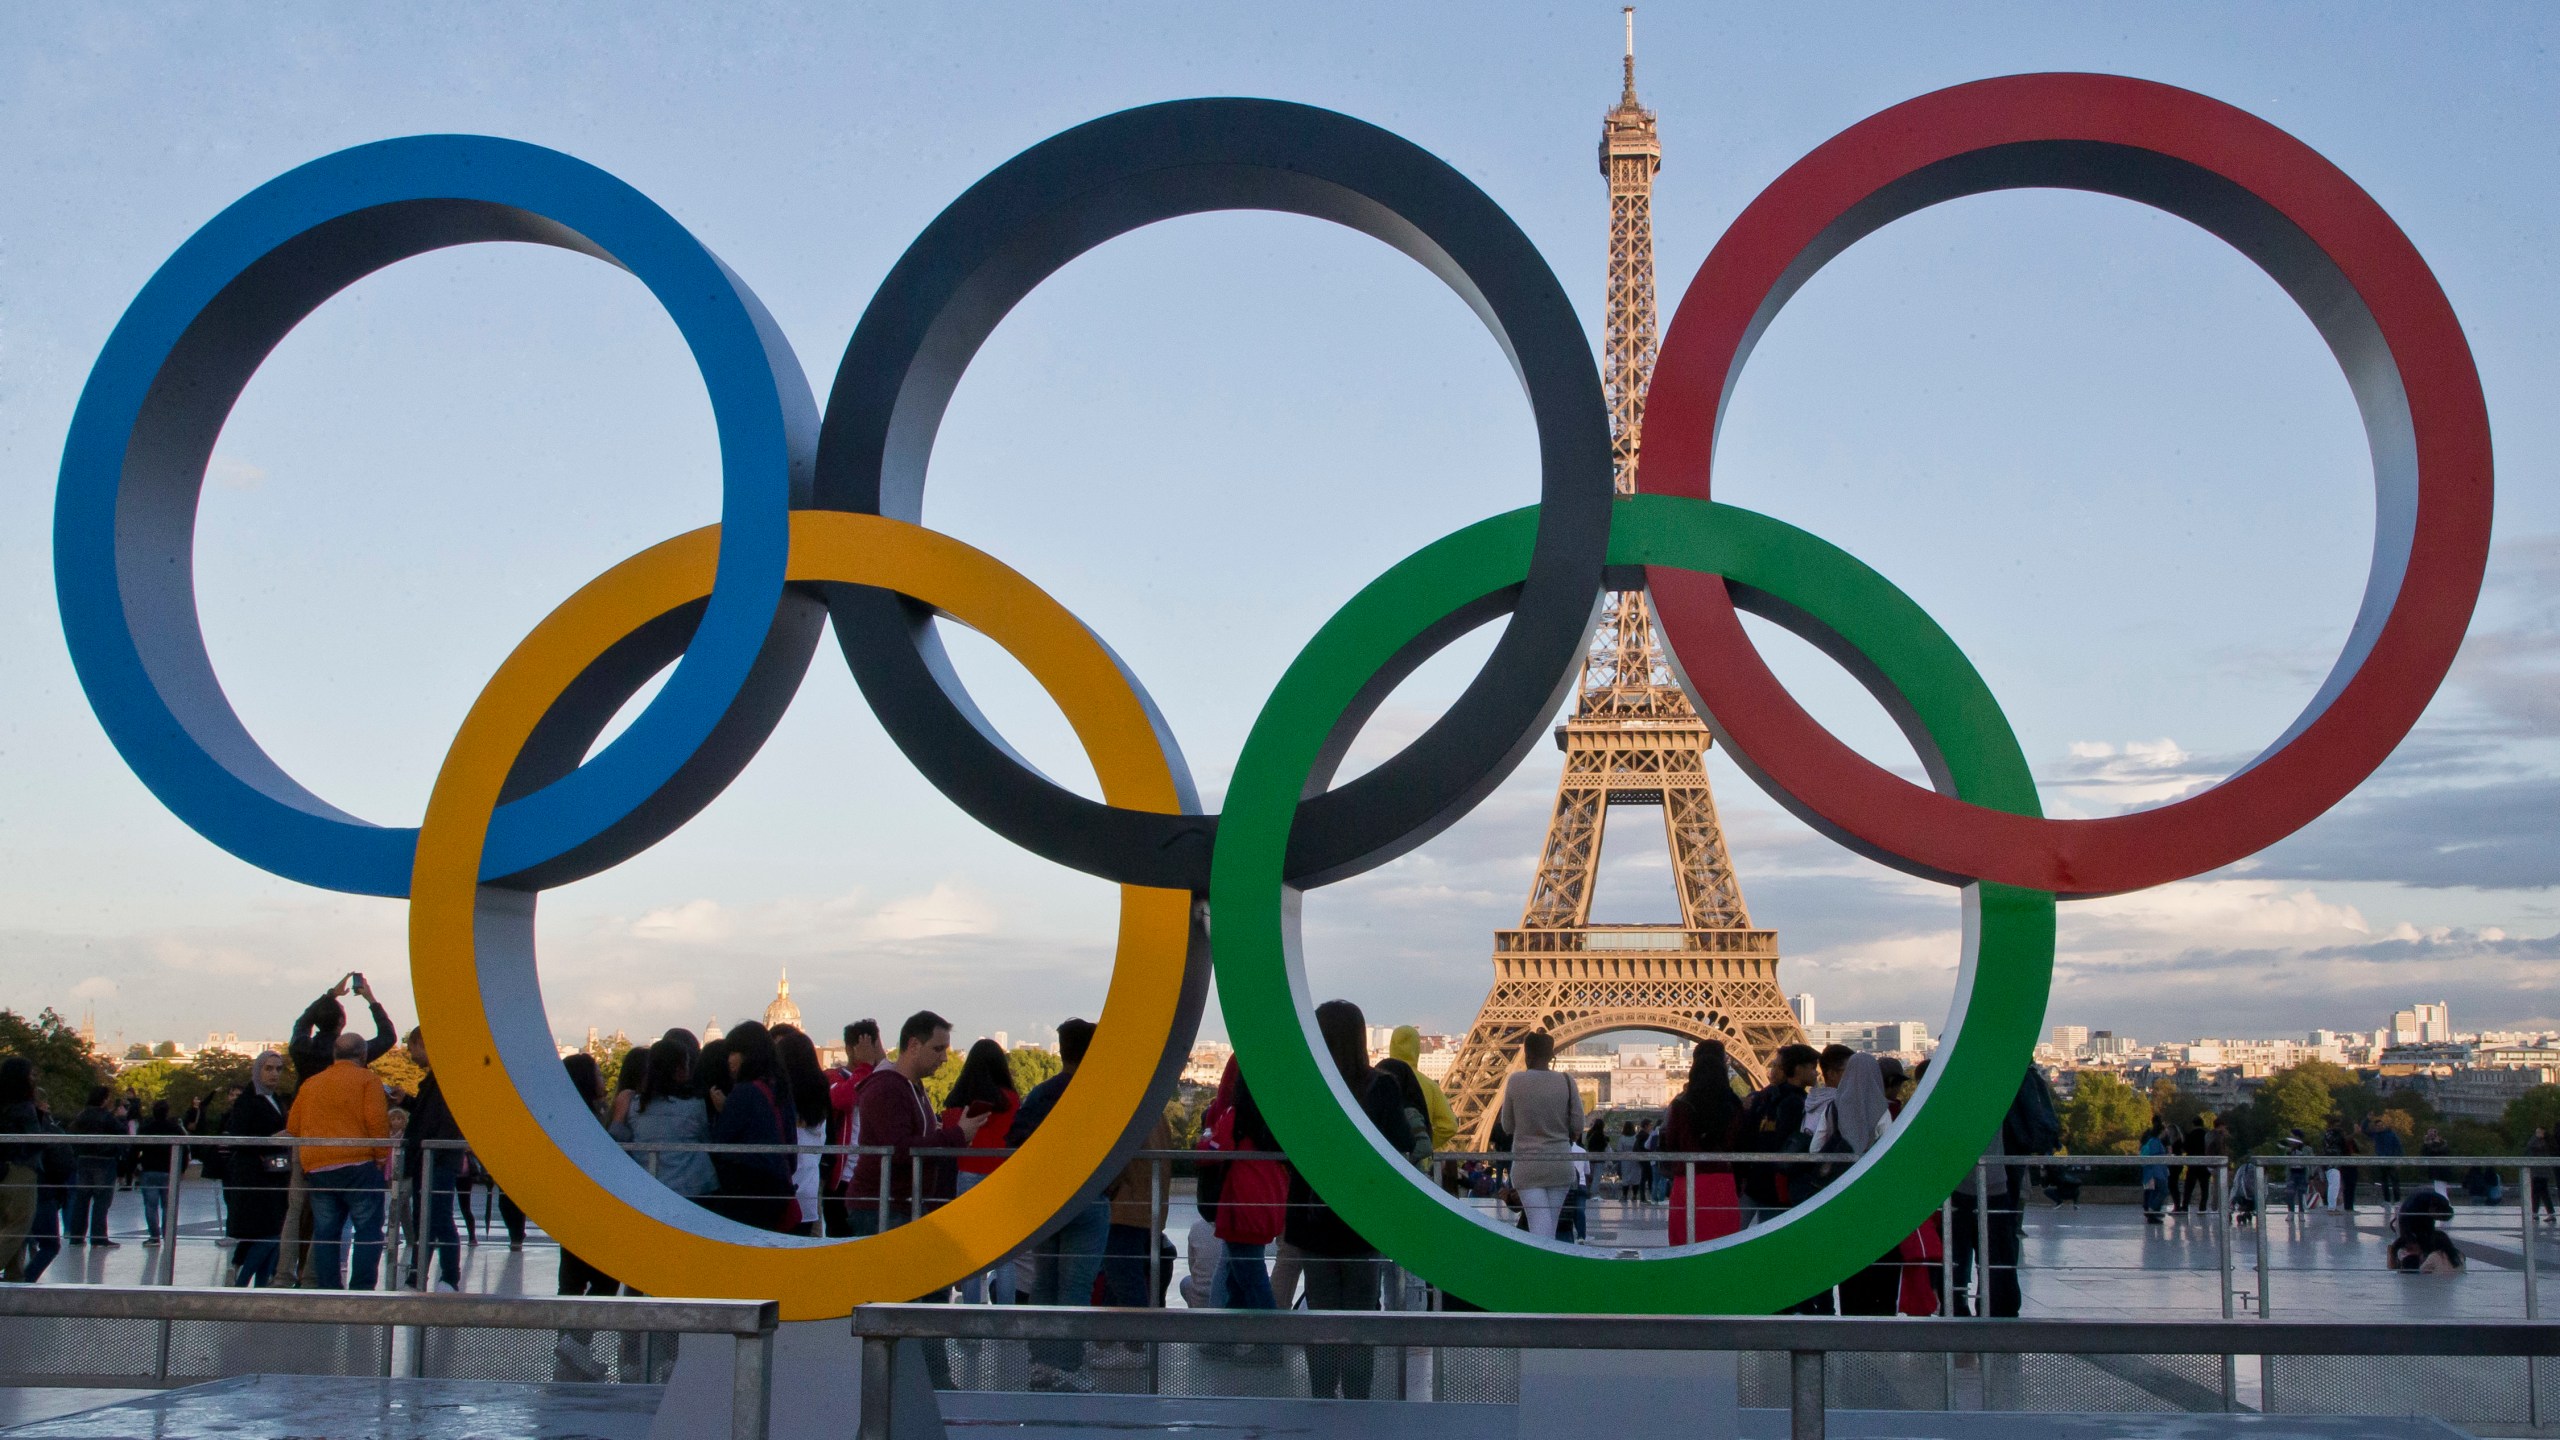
892	1110
862	1055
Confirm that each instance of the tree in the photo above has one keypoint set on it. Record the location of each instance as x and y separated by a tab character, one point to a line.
136	1052
1030	1067
2175	1107
2300	1097
2104	1115
2535	1109
402	1073
609	1051
165	1050
66	1068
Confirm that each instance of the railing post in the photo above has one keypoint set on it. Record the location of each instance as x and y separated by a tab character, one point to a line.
2222	1255
1981	1239
887	1159
877	1356
2266	1363
1157	1173
1947	1288
1805	1400
751	1388
177	1172
2525	1179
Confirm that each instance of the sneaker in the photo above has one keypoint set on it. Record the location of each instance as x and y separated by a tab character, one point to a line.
154	1240
447	1287
105	1245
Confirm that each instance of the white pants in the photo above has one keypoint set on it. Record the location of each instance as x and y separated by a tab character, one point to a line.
1542	1204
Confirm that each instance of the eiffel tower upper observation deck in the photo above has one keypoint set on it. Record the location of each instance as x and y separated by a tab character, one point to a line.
1633	739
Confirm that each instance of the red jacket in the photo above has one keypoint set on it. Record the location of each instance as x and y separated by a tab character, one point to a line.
843	1083
990	1136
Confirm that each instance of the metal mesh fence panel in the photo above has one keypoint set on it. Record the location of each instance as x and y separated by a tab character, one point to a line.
2466	1390
212	1349
2115	1384
56	1352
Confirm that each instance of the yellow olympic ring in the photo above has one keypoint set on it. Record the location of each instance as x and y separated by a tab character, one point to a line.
536	1135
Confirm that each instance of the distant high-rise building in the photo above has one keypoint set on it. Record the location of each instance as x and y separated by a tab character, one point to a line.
1803	1006
2071	1039
2435	1023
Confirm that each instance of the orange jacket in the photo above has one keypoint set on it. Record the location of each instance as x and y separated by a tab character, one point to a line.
346	1101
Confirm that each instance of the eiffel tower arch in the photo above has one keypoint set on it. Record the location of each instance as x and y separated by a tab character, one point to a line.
1633	741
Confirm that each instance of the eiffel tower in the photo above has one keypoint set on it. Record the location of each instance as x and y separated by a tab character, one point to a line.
1633	739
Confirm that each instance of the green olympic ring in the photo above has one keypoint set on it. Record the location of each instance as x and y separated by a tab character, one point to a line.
1966	745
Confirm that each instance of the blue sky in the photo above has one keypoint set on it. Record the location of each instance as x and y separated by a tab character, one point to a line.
2102	449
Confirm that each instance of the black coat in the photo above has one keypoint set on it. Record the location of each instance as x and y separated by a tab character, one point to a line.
254	1177
1312	1226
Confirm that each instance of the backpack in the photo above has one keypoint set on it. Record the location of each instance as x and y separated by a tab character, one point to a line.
2032	1127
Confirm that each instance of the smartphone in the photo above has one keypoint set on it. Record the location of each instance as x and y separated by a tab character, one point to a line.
978	1108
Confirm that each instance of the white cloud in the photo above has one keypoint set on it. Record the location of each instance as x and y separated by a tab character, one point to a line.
232	473
96	987
695	922
945	910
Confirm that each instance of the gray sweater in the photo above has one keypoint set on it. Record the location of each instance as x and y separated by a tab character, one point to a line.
1543	1112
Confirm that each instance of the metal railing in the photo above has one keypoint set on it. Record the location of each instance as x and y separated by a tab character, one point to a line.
749	1322
1807	1341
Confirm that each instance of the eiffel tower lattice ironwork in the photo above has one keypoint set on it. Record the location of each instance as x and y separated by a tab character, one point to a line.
1633	739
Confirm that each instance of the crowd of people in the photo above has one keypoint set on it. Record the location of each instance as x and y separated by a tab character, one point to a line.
755	1128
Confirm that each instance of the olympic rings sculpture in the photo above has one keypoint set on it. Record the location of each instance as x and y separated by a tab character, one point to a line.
819	525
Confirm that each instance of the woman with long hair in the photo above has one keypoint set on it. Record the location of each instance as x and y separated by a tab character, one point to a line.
1249	1191
1342	1268
577	1277
984	1087
1706	1116
666	1111
798	1060
755	1187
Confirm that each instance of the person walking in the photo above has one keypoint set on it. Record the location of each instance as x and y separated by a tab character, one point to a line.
438	1165
1541	1111
2438	1155
666	1111
254	1177
2386	1145
343	1181
21	1165
798	1058
93	1171
1705	1116
755	1186
2155	1178
2297	1179
2539	1145
1342	1270
1066	1263
984	1089
155	1162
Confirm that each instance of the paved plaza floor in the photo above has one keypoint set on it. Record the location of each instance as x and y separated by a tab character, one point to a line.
2089	1262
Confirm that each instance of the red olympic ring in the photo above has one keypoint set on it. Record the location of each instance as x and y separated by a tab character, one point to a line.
2320	236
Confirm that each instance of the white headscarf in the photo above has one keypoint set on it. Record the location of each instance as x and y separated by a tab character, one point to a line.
1859	1110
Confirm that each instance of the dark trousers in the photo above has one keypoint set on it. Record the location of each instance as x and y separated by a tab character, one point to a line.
44	1232
2390	1185
2198	1194
2008	1224
444	1237
1127	1254
93	1190
513	1214
1341	1372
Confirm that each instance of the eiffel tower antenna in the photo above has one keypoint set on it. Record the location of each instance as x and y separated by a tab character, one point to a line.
1633	739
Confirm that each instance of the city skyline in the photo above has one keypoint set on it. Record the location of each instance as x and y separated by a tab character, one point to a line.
2125	408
